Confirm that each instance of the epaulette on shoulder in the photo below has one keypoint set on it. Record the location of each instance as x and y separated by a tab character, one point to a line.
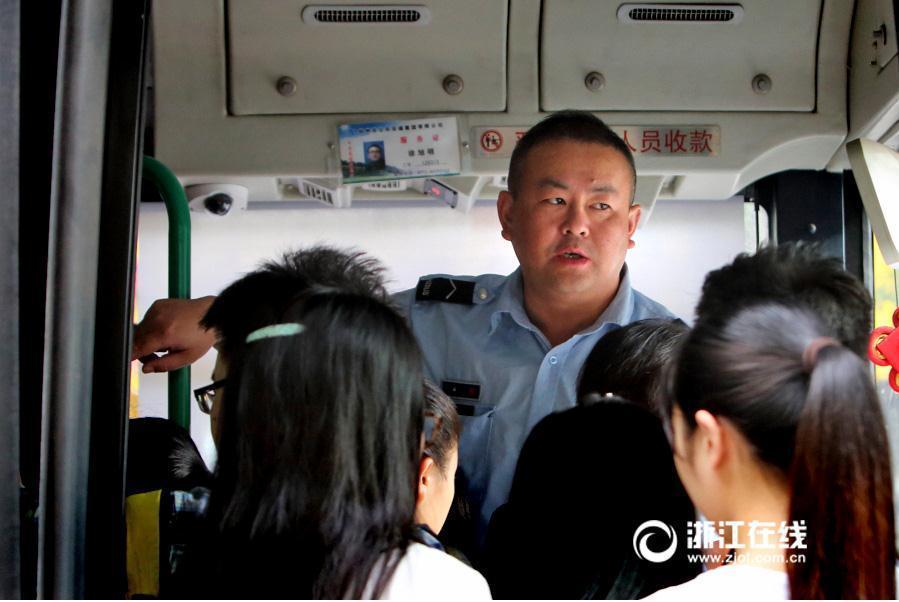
445	290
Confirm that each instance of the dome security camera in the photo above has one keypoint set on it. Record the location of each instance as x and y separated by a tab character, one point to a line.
217	199
218	203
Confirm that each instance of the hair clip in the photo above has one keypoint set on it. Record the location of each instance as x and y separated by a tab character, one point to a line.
275	330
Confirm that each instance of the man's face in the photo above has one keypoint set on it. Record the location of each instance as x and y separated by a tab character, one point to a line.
571	221
374	154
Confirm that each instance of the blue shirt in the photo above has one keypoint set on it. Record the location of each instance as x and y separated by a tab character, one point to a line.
503	373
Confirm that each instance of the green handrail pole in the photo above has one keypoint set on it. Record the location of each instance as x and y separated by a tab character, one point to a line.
179	271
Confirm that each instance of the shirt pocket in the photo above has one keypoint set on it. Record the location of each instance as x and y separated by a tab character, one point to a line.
474	446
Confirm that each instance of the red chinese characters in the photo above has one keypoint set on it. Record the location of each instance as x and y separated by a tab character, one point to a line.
675	141
651	142
662	140
700	142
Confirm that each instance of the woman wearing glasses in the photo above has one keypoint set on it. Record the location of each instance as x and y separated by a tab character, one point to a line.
320	444
319	432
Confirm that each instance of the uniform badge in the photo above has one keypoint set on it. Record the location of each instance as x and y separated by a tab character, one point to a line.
446	290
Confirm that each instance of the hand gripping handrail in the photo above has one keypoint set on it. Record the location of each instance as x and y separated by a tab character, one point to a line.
178	212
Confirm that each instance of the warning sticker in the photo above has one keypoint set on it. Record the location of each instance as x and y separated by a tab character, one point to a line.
686	140
498	142
491	141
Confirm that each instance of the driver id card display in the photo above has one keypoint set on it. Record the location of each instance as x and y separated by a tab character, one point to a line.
393	150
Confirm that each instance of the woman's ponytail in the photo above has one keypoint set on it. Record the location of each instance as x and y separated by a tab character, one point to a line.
808	407
840	482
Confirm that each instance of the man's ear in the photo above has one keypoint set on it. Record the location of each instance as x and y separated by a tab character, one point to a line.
633	220
504	211
425	476
713	440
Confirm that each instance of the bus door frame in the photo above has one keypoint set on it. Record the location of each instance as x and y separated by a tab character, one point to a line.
97	158
815	207
10	63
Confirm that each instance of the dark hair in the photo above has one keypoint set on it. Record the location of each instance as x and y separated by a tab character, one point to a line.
819	424
586	478
314	493
444	436
579	126
161	455
791	273
629	362
261	296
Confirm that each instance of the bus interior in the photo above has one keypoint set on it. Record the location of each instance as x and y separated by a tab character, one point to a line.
751	122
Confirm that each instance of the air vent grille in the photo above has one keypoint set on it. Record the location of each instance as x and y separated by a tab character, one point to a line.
318	193
389	185
366	15
680	13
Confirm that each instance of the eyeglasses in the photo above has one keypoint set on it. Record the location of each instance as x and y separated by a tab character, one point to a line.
205	396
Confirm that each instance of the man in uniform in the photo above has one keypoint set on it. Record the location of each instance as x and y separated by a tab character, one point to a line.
507	349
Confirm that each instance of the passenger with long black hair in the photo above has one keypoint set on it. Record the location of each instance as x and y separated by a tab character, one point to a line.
776	422
314	494
439	461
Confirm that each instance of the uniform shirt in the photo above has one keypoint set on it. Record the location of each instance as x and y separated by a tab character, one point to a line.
480	346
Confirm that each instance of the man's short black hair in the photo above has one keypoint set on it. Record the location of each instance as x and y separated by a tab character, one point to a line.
579	126
796	274
261	297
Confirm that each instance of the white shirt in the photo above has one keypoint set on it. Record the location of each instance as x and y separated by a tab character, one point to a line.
428	574
730	582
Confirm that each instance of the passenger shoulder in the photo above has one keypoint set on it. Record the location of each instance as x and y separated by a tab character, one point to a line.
426	573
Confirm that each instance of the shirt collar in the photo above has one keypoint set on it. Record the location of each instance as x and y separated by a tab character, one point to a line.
621	310
511	302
